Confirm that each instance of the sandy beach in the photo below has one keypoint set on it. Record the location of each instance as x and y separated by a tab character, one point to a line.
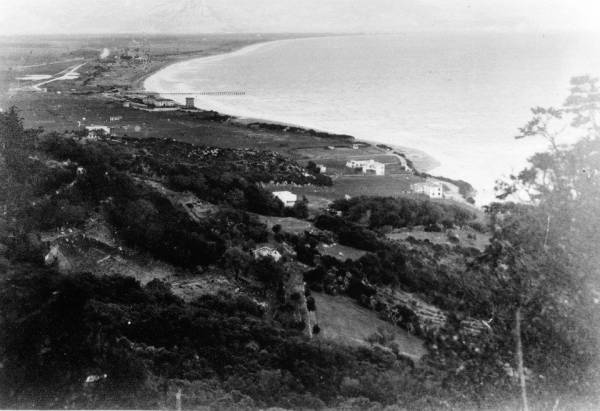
158	79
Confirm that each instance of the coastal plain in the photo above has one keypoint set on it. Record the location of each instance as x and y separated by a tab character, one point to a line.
110	66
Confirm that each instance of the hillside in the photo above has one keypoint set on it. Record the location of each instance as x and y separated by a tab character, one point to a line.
137	268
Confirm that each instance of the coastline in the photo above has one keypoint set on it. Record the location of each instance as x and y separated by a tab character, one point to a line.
138	82
423	161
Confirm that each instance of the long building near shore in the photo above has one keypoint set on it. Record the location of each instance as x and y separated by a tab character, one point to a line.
367	166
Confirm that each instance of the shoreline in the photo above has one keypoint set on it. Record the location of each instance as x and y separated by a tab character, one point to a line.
139	81
423	161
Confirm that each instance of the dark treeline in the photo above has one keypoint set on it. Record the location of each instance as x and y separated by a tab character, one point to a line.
378	212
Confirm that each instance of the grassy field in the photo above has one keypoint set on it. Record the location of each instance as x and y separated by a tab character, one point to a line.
353	186
337	157
288	224
67	111
343	321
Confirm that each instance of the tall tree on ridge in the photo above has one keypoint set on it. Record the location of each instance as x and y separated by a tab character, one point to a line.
546	255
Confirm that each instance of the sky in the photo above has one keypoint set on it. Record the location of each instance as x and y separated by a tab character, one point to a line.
305	16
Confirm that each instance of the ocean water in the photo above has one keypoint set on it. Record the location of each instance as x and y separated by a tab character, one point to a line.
458	97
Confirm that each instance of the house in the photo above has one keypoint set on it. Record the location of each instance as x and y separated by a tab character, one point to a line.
189	102
355	146
263	252
159	102
287	198
97	131
431	188
368	166
322	169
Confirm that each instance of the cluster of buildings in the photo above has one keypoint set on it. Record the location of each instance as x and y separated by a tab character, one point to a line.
367	166
154	102
139	55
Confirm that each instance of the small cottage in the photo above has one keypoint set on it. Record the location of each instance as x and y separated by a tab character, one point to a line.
286	197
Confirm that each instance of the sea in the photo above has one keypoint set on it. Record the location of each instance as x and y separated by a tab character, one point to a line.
459	97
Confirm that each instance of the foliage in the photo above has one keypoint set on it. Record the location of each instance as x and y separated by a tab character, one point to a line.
58	330
545	253
349	233
378	212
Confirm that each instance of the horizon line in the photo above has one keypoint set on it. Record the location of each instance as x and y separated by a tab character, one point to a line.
491	30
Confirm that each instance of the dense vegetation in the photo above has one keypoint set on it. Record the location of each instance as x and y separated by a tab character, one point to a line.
221	176
136	345
81	341
378	212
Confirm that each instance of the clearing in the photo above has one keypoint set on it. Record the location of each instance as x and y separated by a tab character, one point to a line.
343	321
341	252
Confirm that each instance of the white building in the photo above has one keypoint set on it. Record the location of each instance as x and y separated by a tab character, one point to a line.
287	198
432	189
322	169
95	130
368	166
262	252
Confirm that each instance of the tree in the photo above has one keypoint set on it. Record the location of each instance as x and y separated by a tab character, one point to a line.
16	144
16	174
300	209
236	260
545	254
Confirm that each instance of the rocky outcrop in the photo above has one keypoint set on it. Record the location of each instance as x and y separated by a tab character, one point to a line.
417	316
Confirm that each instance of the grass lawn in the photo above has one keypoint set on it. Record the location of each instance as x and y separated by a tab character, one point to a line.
343	321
